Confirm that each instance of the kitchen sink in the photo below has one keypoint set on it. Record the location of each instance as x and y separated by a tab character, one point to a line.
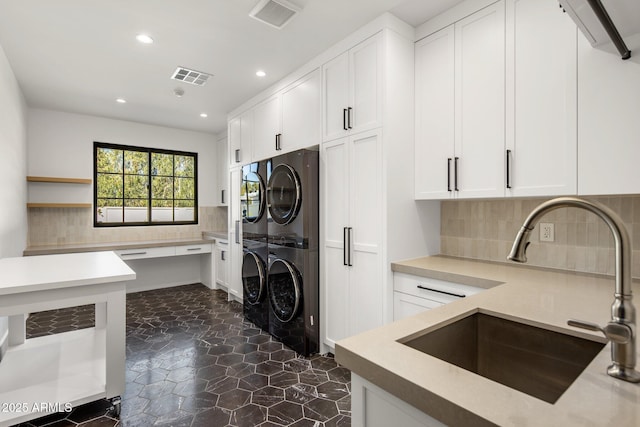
535	361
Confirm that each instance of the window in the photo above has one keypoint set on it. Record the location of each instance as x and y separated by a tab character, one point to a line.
144	186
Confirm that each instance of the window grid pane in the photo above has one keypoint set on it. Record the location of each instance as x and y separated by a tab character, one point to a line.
141	186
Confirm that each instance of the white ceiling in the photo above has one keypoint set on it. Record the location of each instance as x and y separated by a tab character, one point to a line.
80	55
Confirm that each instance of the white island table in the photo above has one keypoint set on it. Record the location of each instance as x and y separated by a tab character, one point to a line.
54	373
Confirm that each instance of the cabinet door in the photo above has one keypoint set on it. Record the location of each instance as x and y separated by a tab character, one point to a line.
608	125
542	96
335	99
480	104
240	138
365	219
365	78
235	140
301	114
434	115
221	254
222	163
405	305
335	272
267	119
235	236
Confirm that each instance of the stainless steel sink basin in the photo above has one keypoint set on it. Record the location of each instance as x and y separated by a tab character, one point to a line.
532	360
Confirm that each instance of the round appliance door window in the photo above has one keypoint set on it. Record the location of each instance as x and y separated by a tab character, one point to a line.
252	198
285	292
284	194
253	278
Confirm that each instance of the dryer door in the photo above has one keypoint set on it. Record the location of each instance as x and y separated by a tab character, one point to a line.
285	290
252	194
253	278
284	194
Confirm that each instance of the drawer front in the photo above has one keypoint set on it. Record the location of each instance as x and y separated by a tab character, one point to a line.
433	289
146	253
193	249
405	305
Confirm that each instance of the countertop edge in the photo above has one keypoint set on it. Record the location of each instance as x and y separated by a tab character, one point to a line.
112	246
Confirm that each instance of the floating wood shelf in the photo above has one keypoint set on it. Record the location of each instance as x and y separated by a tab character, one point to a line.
59	180
58	205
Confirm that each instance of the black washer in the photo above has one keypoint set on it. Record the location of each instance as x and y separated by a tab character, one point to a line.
284	194
285	292
253	278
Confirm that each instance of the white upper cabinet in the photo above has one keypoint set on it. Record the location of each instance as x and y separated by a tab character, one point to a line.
434	115
222	172
267	125
351	99
301	116
608	121
240	133
479	159
541	99
286	121
460	109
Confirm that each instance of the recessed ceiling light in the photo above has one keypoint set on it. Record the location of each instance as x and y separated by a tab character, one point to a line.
121	101
143	38
203	115
260	73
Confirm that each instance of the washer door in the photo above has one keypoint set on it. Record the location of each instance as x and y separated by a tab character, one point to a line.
285	290
284	194
252	197
253	278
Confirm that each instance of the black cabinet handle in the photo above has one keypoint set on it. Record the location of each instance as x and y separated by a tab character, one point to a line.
349	114
222	255
508	168
455	173
449	174
344	119
350	235
221	196
441	292
237	155
278	146
344	246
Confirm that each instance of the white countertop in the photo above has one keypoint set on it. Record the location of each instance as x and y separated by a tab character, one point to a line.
536	297
37	273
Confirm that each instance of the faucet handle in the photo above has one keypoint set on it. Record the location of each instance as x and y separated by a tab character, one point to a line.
616	332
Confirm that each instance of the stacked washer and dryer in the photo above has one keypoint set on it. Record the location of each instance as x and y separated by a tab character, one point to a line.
285	239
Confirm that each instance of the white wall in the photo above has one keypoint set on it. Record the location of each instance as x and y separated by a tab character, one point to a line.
13	167
61	144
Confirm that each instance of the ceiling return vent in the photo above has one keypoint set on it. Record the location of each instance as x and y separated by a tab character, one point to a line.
276	13
197	78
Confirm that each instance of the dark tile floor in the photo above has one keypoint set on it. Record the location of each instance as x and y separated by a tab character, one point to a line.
192	360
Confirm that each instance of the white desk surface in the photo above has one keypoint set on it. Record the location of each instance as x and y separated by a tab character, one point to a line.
37	273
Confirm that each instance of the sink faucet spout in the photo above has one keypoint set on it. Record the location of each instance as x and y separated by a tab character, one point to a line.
623	351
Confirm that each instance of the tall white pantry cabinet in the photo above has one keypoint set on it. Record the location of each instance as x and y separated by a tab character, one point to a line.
368	214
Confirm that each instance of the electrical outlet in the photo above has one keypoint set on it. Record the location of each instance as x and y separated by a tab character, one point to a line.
547	232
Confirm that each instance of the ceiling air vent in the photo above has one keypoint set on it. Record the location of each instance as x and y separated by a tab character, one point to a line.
193	77
275	13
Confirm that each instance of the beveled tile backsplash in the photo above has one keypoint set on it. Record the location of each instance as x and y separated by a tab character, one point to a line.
66	226
485	229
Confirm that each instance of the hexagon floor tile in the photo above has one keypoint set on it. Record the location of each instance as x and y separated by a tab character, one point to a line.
193	360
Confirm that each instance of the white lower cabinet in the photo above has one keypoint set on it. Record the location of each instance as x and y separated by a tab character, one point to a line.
414	294
372	406
220	261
